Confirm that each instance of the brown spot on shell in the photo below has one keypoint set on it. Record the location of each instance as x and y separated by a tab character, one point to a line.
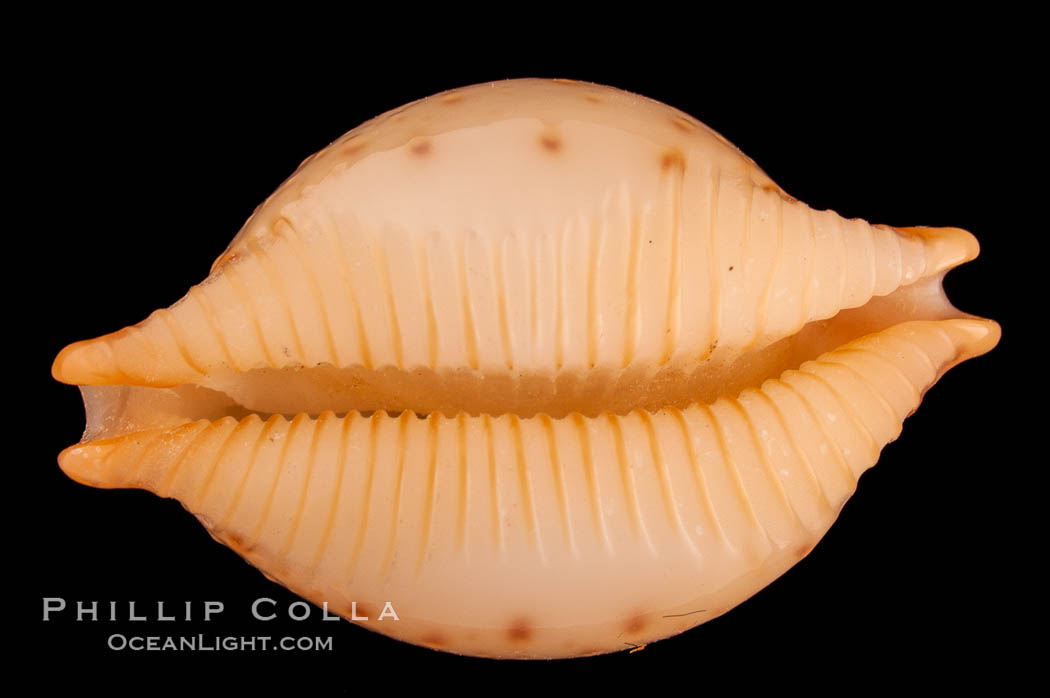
635	624
451	98
672	160
519	631
803	550
434	640
593	97
773	189
683	124
237	543
352	147
564	81
551	142
363	611
420	147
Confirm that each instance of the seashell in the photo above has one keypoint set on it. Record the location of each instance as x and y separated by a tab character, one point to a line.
547	365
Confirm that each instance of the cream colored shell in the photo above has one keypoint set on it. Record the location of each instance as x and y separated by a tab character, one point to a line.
546	365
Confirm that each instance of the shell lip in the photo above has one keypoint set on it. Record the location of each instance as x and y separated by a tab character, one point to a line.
114	409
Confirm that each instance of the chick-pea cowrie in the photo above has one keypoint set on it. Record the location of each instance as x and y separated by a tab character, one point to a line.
553	367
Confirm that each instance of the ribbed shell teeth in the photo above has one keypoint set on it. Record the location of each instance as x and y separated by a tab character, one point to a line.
261	312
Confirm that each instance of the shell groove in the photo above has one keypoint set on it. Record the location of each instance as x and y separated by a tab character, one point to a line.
600	373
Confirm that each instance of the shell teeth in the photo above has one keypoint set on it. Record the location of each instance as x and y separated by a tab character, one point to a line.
180	345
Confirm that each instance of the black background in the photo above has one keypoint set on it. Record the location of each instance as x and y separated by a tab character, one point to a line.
146	163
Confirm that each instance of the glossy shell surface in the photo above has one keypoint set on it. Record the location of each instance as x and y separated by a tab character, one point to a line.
552	368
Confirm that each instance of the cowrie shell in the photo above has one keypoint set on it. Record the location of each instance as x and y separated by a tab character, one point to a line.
548	364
